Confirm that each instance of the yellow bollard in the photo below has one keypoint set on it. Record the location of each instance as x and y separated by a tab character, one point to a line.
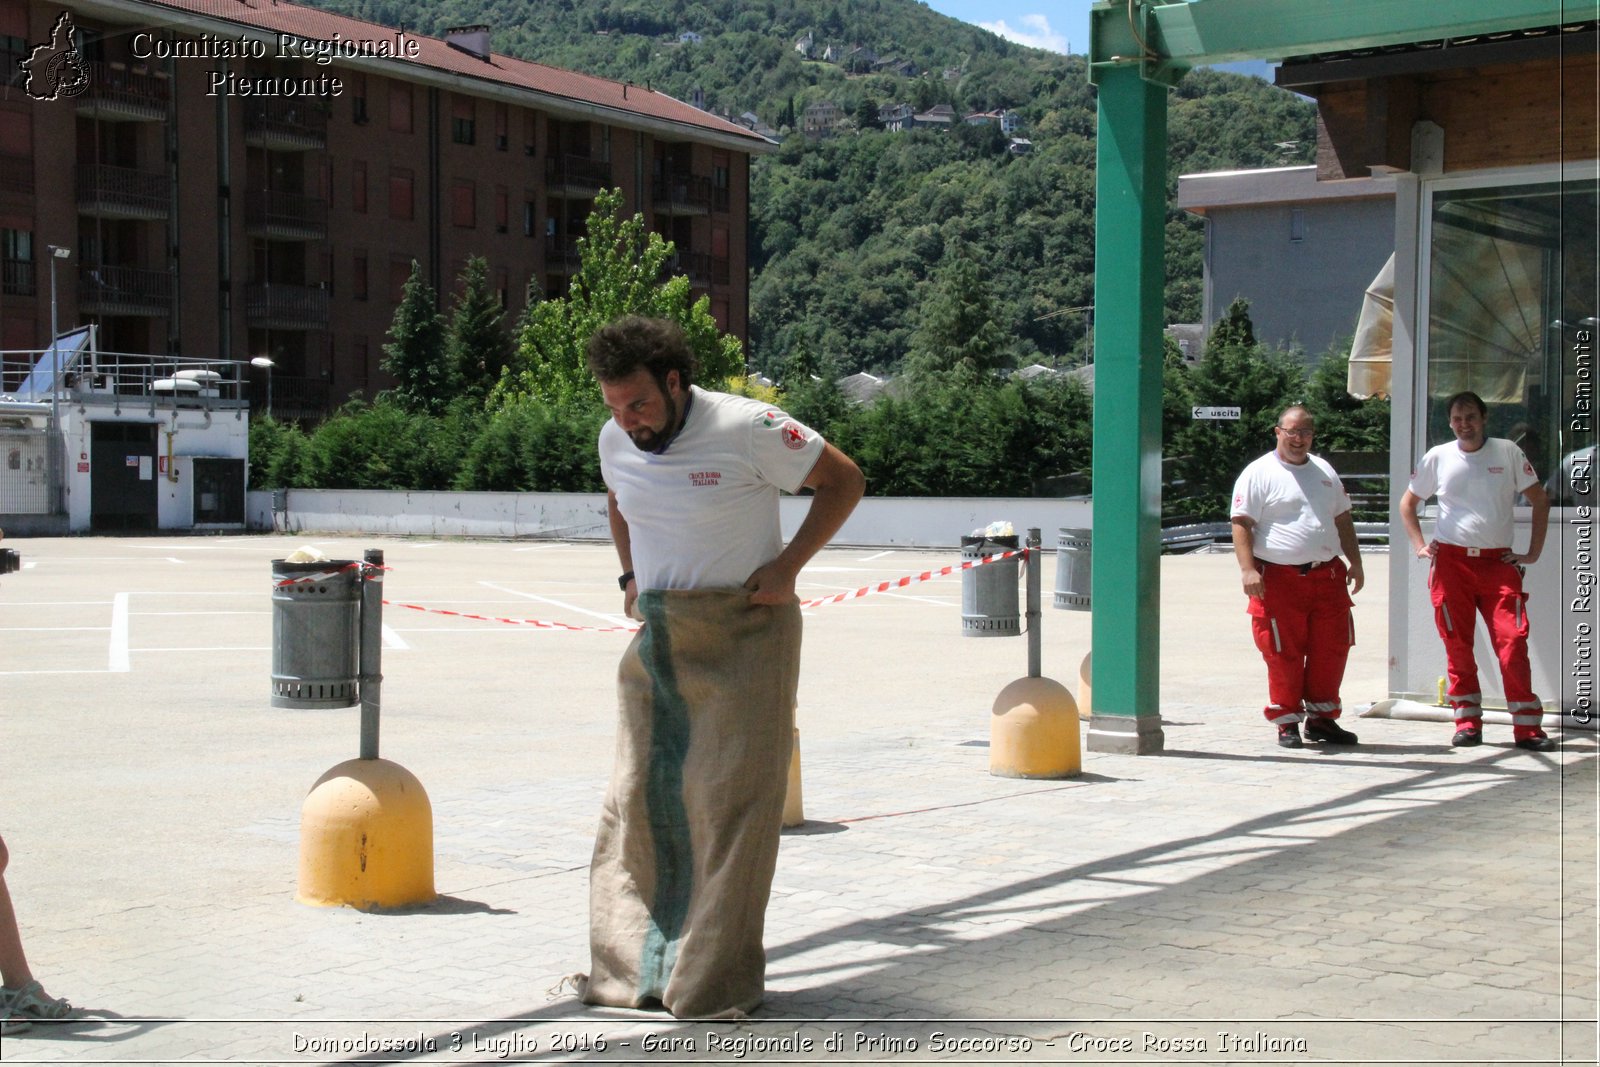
1085	690
1441	691
1033	731
794	808
366	838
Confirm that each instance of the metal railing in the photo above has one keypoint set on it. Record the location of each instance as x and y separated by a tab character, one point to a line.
566	174
561	254
700	268
17	277
286	124
274	213
682	194
108	290
133	94
286	307
122	192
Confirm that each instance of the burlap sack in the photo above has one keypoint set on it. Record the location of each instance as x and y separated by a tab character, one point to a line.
688	837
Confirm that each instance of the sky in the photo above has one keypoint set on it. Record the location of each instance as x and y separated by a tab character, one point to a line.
1051	24
1057	25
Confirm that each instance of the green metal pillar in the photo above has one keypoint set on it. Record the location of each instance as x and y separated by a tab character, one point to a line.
1130	203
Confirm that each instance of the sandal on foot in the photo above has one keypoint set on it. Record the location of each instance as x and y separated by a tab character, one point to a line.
32	1002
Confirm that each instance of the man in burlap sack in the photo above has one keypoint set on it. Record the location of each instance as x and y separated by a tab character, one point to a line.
688	838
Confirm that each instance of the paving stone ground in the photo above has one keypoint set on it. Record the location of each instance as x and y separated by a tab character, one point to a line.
1225	902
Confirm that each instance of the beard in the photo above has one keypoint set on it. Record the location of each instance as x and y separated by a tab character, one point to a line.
648	440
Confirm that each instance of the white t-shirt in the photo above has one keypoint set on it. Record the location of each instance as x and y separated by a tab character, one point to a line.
1476	490
1293	507
704	513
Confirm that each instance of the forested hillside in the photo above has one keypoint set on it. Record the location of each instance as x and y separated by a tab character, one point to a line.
851	234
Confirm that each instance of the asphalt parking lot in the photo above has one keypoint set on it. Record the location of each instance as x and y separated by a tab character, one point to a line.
1397	902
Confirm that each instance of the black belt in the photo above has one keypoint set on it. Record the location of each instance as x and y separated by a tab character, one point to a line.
1302	568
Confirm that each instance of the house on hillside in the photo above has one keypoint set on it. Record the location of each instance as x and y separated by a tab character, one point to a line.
1019	146
804	44
937	117
821	119
895	65
1301	251
896	117
690	37
1008	121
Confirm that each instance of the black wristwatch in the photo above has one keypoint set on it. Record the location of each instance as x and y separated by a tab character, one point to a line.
622	582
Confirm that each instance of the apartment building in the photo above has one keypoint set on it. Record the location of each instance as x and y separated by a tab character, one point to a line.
248	179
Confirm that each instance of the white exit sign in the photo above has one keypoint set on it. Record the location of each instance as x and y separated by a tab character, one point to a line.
1216	413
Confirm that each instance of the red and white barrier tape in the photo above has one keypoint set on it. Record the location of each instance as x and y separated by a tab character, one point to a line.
322	576
836	598
912	579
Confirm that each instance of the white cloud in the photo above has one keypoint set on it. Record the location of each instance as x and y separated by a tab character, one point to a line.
1038	33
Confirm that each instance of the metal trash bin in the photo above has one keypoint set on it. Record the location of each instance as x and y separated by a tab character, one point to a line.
989	593
316	617
1073	557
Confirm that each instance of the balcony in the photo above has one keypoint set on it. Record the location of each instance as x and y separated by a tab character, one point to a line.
561	255
286	307
574	177
702	270
683	194
16	277
284	216
117	94
106	290
16	174
294	125
122	193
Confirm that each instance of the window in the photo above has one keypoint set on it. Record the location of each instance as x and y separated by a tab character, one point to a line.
16	261
502	124
530	139
464	204
358	187
400	194
399	107
358	277
530	218
1511	315
358	98
463	120
502	209
399	274
502	285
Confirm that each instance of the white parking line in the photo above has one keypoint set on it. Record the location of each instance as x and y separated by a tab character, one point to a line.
614	620
119	633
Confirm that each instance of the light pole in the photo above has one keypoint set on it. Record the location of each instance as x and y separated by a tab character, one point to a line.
57	253
265	364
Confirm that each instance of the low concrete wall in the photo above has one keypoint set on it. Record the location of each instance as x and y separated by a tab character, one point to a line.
905	522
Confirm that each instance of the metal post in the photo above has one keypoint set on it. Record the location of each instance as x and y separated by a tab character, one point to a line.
1035	664
57	452
371	662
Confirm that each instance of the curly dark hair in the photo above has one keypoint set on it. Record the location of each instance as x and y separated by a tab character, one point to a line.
635	342
1467	396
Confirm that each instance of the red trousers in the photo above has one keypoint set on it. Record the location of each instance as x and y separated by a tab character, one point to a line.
1303	627
1464	583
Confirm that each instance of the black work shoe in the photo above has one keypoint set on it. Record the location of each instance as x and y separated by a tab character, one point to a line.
1537	743
1289	735
1320	729
1466	737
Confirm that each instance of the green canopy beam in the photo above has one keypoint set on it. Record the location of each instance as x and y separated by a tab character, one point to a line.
1166	39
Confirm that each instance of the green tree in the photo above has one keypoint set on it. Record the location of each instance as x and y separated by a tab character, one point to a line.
624	270
415	355
477	347
958	329
1236	372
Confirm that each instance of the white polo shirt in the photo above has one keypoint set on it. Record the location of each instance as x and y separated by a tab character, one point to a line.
1477	491
1293	507
704	513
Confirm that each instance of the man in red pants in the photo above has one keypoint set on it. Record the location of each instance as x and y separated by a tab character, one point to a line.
1477	479
1291	519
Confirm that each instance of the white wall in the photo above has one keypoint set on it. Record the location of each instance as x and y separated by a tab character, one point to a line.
889	521
193	432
